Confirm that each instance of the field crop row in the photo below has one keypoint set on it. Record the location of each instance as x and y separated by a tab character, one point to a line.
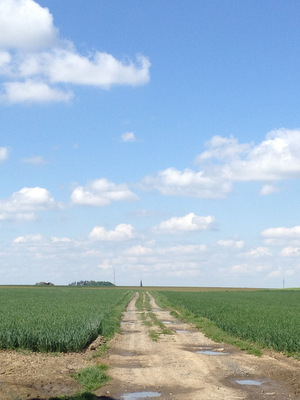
269	318
58	319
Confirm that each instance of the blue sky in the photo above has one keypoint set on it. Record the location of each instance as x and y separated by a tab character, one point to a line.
154	140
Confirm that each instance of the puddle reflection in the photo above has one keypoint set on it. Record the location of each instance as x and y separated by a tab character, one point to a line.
248	382
140	395
212	353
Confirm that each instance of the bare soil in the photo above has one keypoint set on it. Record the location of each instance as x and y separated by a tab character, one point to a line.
171	366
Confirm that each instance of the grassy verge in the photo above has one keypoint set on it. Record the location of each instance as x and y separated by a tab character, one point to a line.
92	378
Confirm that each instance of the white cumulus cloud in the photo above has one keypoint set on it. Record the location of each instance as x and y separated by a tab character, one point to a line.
101	69
101	192
282	232
23	204
36	64
120	233
174	182
238	244
226	162
24	24
33	92
189	222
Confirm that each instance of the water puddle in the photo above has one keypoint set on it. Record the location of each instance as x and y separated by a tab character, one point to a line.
156	309
212	353
140	395
181	331
170	322
248	382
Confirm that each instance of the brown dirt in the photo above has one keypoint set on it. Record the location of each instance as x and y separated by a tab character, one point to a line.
169	366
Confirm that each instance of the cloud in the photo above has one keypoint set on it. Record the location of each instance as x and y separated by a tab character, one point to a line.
36	64
24	24
277	157
282	233
189	222
28	239
269	189
3	153
173	182
101	192
222	148
36	160
32	92
120	233
20	217
259	252
23	204
290	251
138	251
100	69
182	250
128	137
226	162
239	244
105	265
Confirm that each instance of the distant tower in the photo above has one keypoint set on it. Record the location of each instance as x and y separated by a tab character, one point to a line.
141	283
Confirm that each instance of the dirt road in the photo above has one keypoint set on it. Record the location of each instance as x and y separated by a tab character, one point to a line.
172	368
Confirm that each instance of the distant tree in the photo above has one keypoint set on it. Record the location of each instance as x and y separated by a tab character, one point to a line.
44	284
91	283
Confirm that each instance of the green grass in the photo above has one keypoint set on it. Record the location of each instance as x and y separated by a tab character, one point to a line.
143	301
92	378
150	319
251	320
58	319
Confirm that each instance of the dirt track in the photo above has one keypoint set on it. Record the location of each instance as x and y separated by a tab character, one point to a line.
171	366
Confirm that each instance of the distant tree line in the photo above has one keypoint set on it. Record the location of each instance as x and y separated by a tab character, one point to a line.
44	284
91	283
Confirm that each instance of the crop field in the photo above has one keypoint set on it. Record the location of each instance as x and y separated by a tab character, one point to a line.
58	319
268	318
